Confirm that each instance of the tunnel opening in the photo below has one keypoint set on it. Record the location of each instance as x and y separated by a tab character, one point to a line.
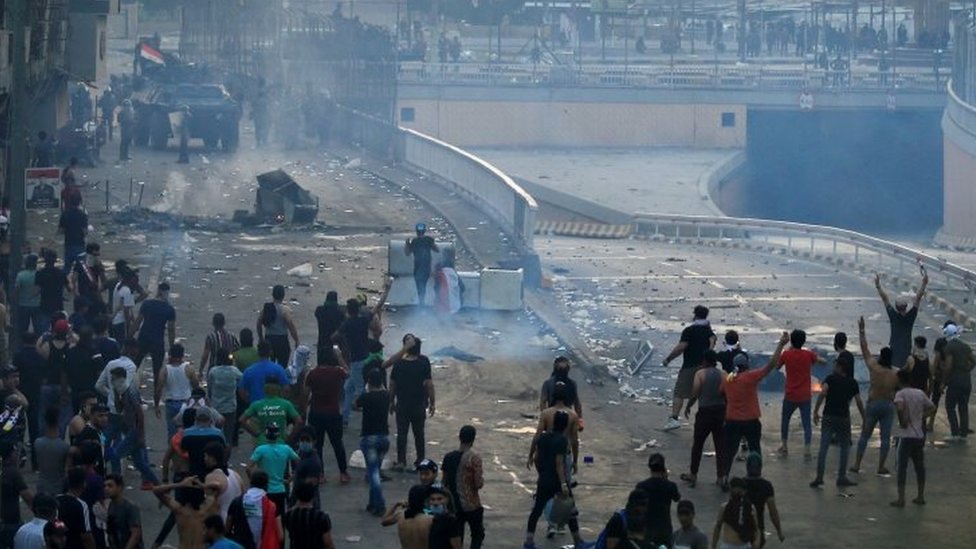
874	171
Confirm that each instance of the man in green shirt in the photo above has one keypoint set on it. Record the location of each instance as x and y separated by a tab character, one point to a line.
247	354
270	410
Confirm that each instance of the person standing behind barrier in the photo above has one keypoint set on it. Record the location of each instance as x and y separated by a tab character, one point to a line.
275	323
421	248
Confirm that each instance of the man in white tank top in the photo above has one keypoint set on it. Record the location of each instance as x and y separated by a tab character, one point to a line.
174	386
224	480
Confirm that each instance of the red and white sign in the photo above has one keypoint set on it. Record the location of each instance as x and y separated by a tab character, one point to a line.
151	54
41	188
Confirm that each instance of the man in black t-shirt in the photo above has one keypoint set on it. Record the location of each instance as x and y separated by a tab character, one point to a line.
421	248
837	390
308	527
74	226
413	396
353	337
661	492
374	437
328	318
75	513
549	457
696	338
761	495
52	282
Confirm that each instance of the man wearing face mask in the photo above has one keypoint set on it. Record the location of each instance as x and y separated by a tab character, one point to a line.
412	391
132	439
445	532
560	374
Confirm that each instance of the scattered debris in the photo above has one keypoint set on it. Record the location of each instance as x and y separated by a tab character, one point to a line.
455	353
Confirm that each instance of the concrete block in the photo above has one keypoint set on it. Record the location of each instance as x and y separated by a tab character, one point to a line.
403	292
401	264
471	297
501	290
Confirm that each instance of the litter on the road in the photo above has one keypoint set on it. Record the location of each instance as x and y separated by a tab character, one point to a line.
455	353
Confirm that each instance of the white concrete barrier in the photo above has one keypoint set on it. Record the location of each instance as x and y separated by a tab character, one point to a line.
501	290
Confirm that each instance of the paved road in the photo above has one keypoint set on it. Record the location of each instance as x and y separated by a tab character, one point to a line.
618	293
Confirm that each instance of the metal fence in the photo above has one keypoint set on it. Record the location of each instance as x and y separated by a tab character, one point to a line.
840	246
114	194
725	77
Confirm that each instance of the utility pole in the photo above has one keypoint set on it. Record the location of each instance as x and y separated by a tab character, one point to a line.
17	15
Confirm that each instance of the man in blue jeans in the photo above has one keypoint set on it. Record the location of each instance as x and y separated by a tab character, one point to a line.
374	441
353	338
131	440
881	403
837	390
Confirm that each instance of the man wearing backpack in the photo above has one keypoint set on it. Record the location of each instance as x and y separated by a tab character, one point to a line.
959	386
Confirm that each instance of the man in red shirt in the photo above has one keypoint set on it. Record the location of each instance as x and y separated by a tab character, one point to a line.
798	392
323	386
742	412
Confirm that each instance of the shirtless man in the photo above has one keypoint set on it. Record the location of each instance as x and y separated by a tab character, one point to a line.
86	402
560	395
881	401
190	515
413	526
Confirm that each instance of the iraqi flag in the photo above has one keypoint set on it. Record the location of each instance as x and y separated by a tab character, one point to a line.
151	54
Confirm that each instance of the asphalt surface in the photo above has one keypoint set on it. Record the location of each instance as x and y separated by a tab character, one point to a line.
629	290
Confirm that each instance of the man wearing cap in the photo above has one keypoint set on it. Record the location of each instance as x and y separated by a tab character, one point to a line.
273	458
427	472
902	319
958	366
421	248
156	321
54	383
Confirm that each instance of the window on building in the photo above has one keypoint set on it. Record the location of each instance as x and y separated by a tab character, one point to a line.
407	114
728	119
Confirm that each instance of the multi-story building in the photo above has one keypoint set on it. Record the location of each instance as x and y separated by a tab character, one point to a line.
66	42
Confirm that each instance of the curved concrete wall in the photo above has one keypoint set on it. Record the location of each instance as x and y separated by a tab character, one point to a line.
959	162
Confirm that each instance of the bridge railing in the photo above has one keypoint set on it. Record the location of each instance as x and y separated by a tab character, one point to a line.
730	77
841	246
476	180
487	186
962	113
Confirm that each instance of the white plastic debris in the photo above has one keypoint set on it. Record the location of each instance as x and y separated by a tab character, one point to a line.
301	271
